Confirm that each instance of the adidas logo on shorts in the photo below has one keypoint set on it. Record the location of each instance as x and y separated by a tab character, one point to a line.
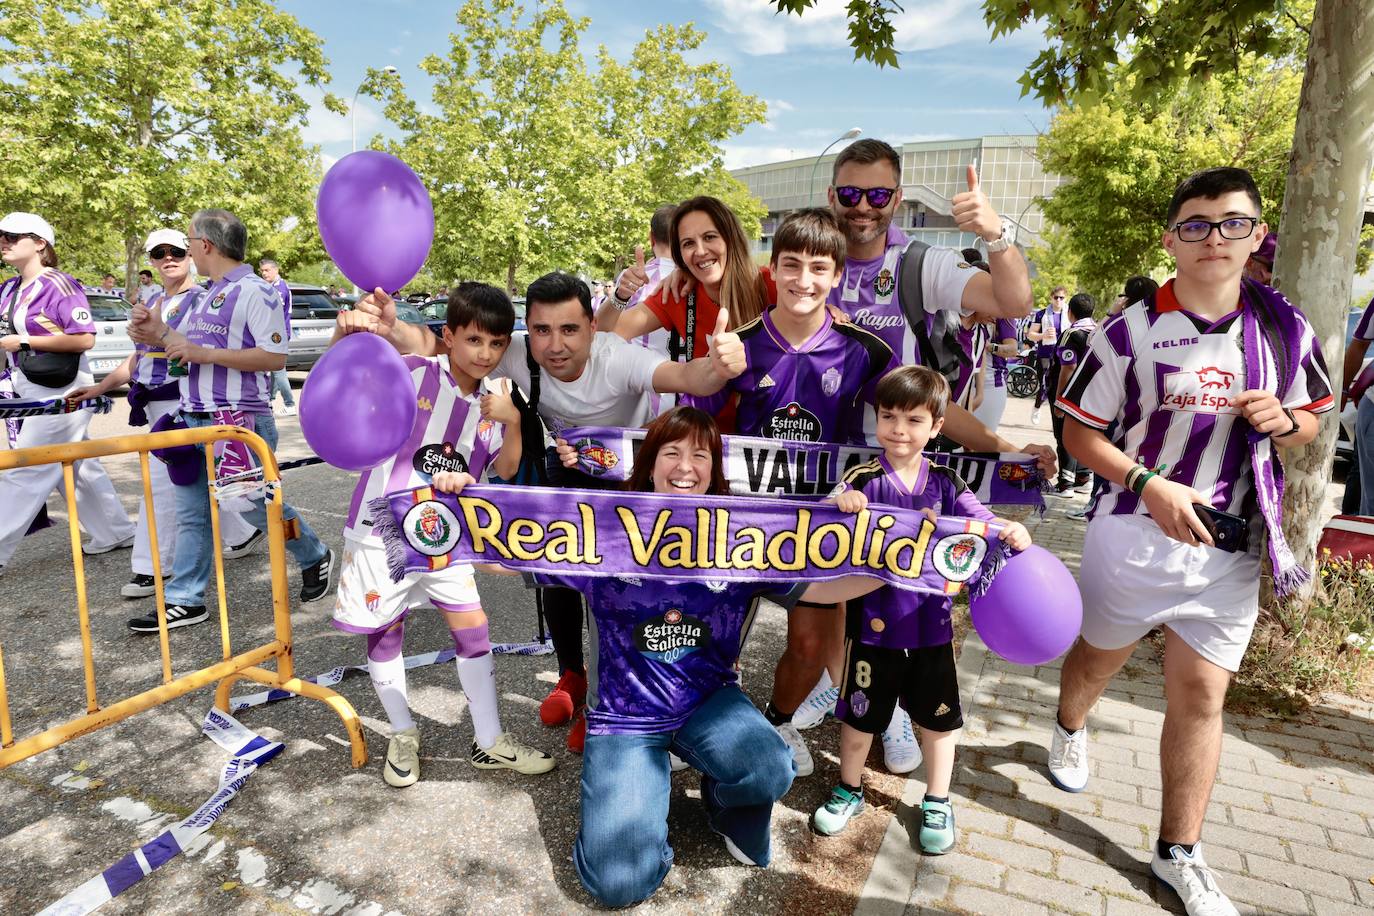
943	710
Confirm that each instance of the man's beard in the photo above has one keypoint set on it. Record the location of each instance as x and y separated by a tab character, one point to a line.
856	236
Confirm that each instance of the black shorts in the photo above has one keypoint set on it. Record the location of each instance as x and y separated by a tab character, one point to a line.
924	680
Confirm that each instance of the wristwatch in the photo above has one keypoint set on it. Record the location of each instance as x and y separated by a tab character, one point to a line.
24	346
1291	419
1002	242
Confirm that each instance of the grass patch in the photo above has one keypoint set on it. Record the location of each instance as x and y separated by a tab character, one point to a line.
1303	648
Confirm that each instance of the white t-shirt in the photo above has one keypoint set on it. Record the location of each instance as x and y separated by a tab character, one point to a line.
609	392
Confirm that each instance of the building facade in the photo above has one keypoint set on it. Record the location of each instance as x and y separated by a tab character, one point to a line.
932	173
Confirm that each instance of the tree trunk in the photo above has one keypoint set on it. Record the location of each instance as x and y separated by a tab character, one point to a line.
510	279
1323	207
133	255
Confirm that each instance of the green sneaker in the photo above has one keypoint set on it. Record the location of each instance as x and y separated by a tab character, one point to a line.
937	828
831	817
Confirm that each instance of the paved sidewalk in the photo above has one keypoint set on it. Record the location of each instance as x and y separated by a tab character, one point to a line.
1290	829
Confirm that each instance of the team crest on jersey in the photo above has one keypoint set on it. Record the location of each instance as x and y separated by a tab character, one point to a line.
766	382
438	456
793	422
1210	389
884	283
372	599
484	428
430	528
957	556
672	637
216	302
830	381
276	337
594	457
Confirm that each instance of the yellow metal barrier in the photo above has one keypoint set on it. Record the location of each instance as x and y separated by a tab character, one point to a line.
233	667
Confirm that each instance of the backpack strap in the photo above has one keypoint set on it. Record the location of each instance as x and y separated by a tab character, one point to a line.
532	470
936	335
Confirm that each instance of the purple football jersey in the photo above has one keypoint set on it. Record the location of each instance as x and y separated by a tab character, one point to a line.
904	619
240	312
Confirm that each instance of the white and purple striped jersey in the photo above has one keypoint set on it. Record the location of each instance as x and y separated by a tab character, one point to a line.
150	367
284	292
1050	321
54	303
449	435
240	312
1168	380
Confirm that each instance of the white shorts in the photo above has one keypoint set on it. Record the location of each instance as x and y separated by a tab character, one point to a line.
1135	578
367	601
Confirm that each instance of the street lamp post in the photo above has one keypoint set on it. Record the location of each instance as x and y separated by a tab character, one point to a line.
847	135
353	107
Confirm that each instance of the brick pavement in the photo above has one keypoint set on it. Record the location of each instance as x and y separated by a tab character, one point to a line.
1290	828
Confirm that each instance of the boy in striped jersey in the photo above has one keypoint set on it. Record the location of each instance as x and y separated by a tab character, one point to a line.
460	429
1202	380
899	645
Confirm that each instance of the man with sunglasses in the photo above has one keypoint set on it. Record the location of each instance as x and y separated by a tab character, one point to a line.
230	340
1201	384
154	392
281	382
1046	327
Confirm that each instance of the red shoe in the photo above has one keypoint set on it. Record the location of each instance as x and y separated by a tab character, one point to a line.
566	698
577	735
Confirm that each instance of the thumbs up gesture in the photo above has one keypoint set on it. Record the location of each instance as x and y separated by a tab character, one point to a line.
973	211
633	277
727	350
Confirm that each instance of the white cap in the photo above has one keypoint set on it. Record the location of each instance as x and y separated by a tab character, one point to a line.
28	224
174	237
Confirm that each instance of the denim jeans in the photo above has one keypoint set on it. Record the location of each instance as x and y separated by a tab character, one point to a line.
1364	454
195	550
622	852
282	382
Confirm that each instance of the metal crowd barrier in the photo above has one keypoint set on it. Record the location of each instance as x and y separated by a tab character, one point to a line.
233	667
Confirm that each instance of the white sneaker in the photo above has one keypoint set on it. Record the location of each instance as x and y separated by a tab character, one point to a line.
675	763
92	549
1069	759
819	703
1035	417
901	750
402	766
1192	880
801	755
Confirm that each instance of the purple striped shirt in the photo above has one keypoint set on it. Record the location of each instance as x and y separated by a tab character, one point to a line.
240	312
150	368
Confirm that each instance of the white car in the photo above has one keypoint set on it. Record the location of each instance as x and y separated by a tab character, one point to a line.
112	344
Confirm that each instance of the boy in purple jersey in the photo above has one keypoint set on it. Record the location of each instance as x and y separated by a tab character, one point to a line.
1200	383
899	645
460	430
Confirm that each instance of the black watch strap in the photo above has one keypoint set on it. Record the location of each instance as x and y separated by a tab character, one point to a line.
1288	412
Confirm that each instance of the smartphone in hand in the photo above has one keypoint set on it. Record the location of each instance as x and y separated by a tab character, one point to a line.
1230	533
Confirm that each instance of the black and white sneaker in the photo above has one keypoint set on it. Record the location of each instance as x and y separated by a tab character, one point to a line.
178	615
234	551
317	580
140	586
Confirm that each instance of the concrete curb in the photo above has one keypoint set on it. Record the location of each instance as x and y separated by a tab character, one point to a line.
892	879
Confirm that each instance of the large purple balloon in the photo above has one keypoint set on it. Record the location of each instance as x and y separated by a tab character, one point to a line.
358	403
1032	611
376	219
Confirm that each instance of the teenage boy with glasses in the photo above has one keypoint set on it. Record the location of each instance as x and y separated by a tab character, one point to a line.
1045	328
1206	378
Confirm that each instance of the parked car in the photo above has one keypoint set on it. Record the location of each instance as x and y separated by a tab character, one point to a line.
112	343
420	315
1344	447
436	314
313	312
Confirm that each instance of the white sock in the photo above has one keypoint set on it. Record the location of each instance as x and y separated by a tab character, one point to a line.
478	678
389	678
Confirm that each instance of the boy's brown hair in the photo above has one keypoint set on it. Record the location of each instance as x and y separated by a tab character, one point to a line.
810	231
909	387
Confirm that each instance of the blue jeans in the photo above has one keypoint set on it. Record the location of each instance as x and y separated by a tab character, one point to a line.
1364	454
282	382
195	555
622	852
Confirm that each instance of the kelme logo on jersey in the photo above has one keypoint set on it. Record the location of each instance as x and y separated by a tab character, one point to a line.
671	637
830	381
438	456
958	556
884	283
594	457
430	528
793	422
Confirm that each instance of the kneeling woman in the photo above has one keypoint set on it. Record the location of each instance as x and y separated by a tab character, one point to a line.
663	679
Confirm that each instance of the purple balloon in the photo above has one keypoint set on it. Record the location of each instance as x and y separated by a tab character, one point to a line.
358	403
376	219
1032	612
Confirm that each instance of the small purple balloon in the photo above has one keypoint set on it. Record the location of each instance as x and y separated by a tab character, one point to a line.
376	219
1032	612
358	403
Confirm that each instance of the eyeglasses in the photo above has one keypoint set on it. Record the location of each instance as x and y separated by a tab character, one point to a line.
1060	298
166	251
848	196
13	237
1234	228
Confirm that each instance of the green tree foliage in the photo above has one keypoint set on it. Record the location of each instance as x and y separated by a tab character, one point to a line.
534	163
126	115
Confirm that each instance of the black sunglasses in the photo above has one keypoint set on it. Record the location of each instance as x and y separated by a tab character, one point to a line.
848	195
13	237
162	251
